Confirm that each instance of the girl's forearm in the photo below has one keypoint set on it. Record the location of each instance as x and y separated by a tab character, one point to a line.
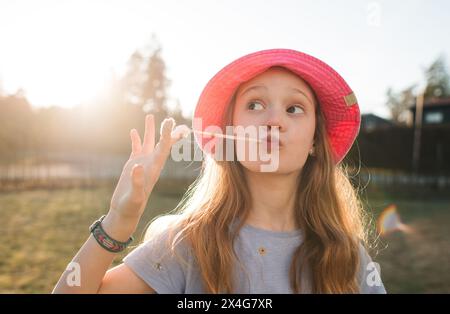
90	264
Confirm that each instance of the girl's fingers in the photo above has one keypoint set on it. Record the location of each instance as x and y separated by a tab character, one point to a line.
149	136
165	140
136	145
138	181
181	131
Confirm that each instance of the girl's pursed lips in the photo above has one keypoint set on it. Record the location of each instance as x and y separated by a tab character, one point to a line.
272	139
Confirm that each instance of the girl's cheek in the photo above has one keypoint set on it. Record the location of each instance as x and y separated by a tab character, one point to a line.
301	139
299	144
239	117
244	119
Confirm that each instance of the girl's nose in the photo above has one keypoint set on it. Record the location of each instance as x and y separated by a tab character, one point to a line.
275	119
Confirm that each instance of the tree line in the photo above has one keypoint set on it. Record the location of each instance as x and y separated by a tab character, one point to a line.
100	126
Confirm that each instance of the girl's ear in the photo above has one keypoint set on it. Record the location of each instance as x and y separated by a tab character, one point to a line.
311	151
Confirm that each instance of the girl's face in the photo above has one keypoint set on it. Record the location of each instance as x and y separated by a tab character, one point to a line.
279	98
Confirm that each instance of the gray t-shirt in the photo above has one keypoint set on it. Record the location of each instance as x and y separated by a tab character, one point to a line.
266	255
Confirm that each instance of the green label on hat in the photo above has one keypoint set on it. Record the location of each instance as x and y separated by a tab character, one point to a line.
350	99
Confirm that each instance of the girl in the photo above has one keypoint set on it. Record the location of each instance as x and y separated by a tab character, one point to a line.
238	229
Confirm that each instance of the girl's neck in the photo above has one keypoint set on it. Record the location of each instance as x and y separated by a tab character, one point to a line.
273	200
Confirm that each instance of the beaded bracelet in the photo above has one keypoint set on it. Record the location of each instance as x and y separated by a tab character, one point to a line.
105	240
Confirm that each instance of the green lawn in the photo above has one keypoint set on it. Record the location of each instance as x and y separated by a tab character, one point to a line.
418	261
43	229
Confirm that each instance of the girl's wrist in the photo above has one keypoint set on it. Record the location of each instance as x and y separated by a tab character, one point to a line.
119	228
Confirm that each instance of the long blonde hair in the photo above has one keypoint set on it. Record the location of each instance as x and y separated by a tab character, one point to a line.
327	209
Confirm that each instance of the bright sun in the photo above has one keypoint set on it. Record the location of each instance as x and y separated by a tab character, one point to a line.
63	54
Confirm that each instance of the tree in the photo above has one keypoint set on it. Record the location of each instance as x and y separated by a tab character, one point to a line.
16	122
399	103
438	86
134	78
145	82
154	88
438	80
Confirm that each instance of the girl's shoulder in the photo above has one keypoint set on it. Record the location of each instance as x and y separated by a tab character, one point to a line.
162	237
161	226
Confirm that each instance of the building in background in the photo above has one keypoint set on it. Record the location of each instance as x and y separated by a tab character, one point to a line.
435	112
370	122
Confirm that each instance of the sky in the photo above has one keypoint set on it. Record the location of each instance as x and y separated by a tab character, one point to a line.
63	52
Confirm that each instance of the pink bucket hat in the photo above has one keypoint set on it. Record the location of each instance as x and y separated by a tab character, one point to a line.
336	99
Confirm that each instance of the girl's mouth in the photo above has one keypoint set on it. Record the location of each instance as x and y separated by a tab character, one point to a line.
273	142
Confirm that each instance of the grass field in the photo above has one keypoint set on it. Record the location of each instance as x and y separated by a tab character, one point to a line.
417	261
43	229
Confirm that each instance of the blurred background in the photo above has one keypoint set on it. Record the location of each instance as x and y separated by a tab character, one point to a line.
76	76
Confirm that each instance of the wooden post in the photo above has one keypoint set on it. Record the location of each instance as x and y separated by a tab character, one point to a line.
417	132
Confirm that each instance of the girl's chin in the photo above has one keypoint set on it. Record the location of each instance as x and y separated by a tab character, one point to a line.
263	167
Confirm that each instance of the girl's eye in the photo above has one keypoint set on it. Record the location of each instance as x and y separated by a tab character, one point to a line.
254	105
299	109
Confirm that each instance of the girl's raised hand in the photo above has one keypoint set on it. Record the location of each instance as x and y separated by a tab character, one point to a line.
142	170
